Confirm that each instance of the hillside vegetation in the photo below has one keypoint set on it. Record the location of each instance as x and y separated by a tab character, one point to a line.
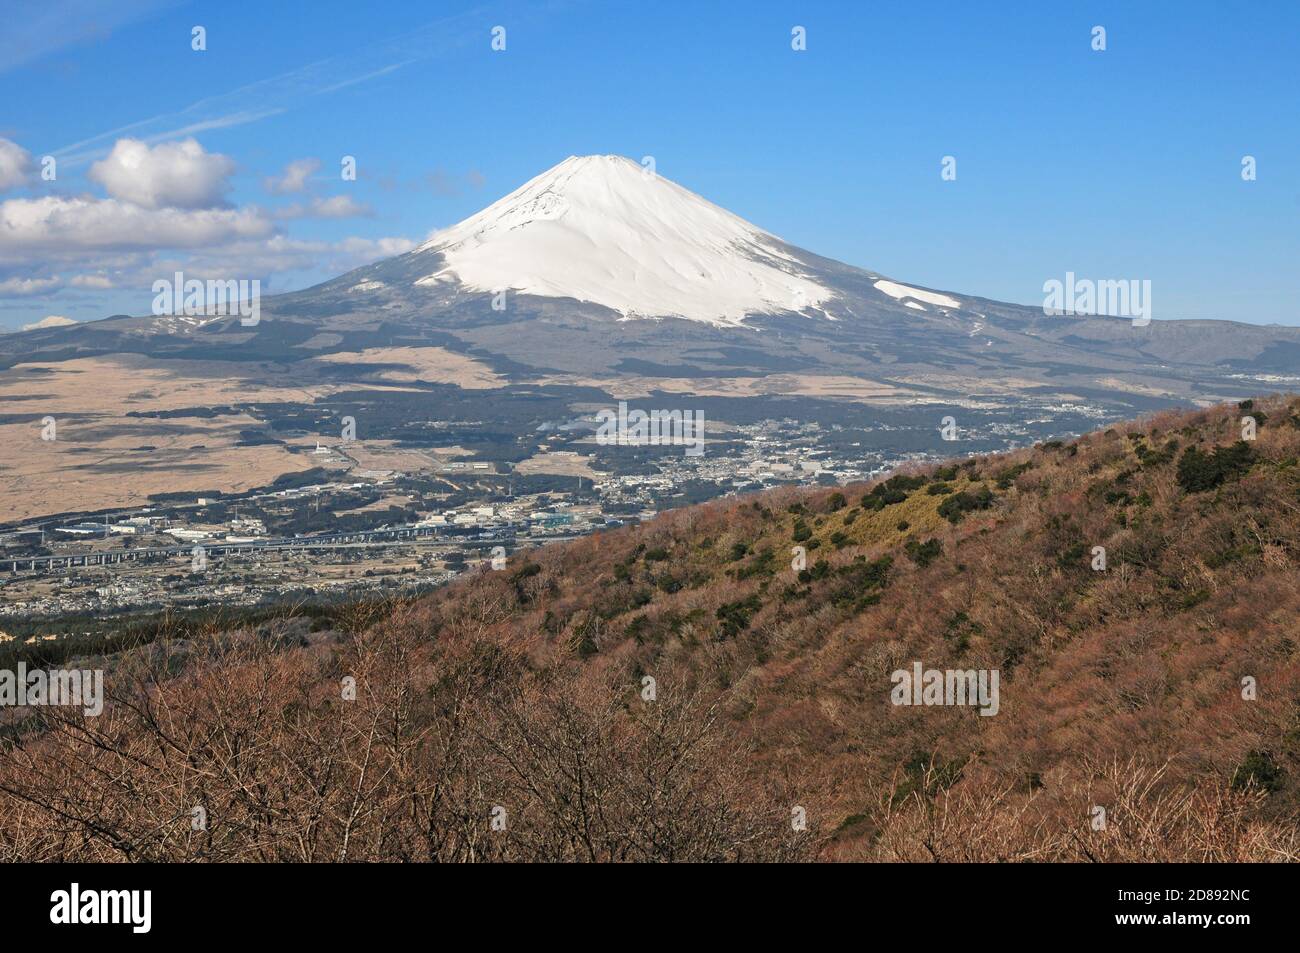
683	689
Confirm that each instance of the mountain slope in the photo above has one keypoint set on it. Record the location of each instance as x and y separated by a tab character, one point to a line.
612	273
987	564
1164	688
602	229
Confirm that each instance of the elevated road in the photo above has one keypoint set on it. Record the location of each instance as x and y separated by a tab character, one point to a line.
381	538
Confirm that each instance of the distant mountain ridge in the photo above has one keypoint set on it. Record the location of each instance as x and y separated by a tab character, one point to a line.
601	268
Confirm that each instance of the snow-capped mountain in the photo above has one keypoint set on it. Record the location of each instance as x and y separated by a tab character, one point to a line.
605	230
612	270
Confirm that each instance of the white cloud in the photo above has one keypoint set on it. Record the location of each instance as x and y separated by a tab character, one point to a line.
281	253
169	175
20	287
294	179
164	212
15	164
99	282
69	156
362	251
34	230
101	272
336	206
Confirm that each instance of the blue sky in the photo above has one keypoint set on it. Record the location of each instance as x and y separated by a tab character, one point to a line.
1117	164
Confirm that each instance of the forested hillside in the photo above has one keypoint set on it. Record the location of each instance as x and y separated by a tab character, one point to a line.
695	687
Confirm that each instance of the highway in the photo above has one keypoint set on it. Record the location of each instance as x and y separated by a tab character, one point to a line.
354	540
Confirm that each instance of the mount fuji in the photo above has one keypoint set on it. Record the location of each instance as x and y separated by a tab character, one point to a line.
604	230
600	270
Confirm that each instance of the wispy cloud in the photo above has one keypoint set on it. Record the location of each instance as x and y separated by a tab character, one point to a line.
336	206
284	91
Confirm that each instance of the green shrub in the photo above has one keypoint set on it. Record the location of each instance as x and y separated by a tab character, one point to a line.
1156	458
820	570
763	564
942	775
734	616
959	631
1073	557
861	574
923	553
894	490
1259	769
1199	471
958	505
669	583
1007	476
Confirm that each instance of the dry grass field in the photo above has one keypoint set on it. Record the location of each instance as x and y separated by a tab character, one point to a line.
103	458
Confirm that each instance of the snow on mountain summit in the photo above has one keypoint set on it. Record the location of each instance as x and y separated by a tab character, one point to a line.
603	229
